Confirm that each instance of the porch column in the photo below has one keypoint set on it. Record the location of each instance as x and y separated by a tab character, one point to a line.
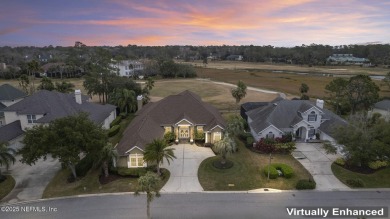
191	133
177	133
206	138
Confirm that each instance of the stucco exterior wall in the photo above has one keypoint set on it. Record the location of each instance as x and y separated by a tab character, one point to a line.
10	117
24	123
122	161
16	143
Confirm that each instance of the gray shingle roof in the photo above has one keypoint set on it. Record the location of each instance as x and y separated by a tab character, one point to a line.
54	105
286	113
149	122
383	105
9	93
10	131
2	106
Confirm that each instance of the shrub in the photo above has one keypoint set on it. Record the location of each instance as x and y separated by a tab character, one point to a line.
244	135
133	172
286	148
84	165
116	121
305	184
169	137
329	148
2	178
340	161
355	183
114	130
209	145
199	135
377	164
273	172
287	171
249	141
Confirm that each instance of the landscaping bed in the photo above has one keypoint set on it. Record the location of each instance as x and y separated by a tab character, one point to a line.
377	179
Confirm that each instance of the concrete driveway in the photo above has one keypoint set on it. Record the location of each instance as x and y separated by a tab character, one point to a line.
318	163
184	169
31	181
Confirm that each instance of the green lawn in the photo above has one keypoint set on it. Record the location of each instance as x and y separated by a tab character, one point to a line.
247	172
6	186
379	179
59	186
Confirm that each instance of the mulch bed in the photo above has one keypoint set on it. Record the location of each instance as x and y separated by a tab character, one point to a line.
217	164
363	170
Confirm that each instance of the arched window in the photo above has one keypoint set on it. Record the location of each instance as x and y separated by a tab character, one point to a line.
312	117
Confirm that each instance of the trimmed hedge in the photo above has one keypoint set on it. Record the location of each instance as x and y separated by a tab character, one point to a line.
249	141
114	130
377	164
134	172
84	165
169	137
305	184
286	170
340	161
273	172
116	121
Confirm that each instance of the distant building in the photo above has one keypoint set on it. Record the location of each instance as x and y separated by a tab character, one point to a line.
235	58
3	66
347	59
44	58
128	68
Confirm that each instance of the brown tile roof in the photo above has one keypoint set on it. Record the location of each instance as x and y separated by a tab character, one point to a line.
150	120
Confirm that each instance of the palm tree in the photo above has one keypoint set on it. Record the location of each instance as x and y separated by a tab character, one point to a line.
6	155
239	92
224	147
124	99
157	151
235	125
149	84
148	183
106	154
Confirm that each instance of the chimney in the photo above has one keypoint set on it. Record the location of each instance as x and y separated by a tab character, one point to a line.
320	103
77	94
139	102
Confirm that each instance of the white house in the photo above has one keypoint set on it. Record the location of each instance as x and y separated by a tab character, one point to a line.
301	118
128	68
9	95
383	108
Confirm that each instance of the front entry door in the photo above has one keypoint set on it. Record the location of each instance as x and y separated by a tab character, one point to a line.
184	133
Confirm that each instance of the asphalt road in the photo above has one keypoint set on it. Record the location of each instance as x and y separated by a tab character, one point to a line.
192	205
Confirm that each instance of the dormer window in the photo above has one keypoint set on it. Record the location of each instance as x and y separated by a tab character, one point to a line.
312	117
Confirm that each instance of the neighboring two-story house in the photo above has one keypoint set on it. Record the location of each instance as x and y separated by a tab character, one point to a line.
383	108
9	95
128	68
301	118
45	106
182	114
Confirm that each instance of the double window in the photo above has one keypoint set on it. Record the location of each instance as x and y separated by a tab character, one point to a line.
312	117
31	119
136	160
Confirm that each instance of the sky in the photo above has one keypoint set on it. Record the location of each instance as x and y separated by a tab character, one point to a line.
197	22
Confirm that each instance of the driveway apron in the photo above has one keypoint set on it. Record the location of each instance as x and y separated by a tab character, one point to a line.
318	163
31	181
184	169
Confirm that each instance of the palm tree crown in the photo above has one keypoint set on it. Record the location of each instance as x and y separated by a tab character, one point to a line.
156	151
6	155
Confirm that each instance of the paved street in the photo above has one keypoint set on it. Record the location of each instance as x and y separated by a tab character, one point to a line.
184	169
318	163
31	181
195	205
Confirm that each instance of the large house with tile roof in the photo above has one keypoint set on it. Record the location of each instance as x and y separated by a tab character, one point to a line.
183	114
302	118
